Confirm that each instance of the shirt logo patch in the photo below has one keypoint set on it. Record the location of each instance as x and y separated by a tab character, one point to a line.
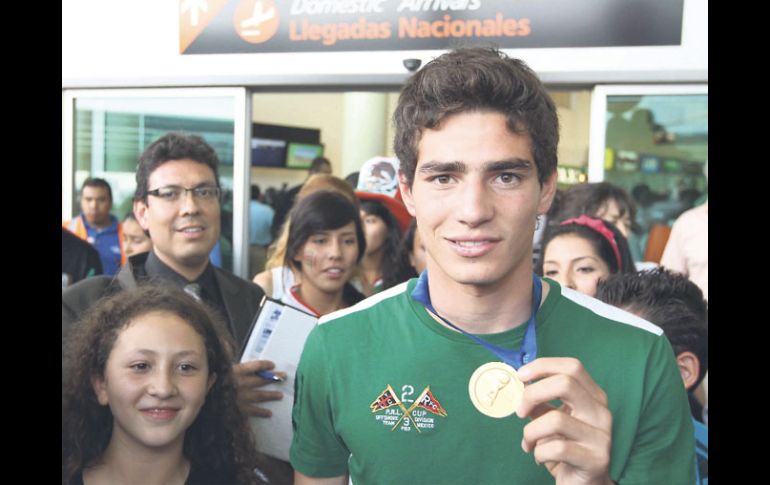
394	413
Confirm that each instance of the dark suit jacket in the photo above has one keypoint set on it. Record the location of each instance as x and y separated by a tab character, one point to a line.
79	259
241	298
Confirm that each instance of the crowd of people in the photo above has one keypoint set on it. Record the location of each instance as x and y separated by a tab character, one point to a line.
467	308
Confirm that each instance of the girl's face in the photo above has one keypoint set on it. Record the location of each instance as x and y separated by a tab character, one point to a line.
155	381
417	256
135	241
375	230
328	258
571	261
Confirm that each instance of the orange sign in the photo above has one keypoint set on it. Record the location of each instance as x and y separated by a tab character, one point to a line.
194	17
246	26
256	21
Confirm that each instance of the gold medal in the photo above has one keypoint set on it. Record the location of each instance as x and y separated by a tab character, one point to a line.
495	389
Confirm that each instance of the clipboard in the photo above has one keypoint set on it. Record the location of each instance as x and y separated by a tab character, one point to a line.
278	333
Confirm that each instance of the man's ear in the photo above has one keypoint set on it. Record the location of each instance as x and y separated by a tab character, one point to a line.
406	193
100	389
689	368
140	213
547	193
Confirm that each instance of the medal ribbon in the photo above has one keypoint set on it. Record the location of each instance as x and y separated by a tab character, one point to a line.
514	358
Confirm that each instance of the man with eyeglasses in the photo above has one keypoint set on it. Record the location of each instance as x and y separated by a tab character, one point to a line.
178	201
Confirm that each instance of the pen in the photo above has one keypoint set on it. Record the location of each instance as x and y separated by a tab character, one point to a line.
266	374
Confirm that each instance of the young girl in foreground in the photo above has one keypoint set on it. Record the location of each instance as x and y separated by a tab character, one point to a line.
148	395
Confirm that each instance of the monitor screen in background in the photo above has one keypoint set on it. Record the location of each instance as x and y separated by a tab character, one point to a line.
268	153
649	164
301	155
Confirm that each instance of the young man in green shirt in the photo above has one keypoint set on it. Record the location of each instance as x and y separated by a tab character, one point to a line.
484	373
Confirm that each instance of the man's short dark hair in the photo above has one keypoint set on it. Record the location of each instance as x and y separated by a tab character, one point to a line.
255	192
670	301
96	182
476	79
173	146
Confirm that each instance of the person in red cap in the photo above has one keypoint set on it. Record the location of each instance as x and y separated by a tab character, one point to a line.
385	220
383	237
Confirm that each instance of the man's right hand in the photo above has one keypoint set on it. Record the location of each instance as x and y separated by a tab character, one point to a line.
247	384
574	440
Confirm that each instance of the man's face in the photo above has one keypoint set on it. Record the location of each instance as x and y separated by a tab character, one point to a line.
475	196
183	231
95	204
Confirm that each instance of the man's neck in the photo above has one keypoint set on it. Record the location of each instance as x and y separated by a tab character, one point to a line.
190	272
100	225
493	308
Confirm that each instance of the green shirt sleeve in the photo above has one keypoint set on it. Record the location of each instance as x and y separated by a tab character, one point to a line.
316	448
664	447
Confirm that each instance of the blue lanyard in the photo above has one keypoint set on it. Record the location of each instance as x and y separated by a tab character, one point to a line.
514	358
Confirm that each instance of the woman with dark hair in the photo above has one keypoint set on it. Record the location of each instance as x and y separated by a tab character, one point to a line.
325	242
411	255
277	250
581	251
602	200
379	267
135	239
148	395
608	202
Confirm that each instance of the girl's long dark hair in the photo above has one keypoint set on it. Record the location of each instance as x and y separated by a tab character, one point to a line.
405	270
390	268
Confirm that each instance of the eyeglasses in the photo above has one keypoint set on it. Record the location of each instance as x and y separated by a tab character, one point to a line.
173	193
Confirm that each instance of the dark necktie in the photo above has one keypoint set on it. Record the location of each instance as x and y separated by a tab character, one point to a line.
194	290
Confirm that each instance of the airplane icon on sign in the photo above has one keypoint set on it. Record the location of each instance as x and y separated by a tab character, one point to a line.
258	16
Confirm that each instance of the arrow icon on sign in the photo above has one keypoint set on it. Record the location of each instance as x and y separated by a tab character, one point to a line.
195	7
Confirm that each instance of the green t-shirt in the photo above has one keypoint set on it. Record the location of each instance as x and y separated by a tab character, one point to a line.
347	421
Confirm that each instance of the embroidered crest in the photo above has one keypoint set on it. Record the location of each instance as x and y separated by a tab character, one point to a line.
419	415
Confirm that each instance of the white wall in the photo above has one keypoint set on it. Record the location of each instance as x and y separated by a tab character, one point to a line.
322	111
107	43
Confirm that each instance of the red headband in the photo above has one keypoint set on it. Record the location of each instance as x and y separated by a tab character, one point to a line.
598	226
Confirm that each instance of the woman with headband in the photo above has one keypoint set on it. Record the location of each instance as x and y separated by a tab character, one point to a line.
581	251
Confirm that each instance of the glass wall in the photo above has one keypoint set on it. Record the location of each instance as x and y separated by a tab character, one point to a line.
108	129
112	128
652	141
